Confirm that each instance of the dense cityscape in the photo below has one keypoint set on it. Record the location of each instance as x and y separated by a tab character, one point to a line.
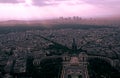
85	52
59	39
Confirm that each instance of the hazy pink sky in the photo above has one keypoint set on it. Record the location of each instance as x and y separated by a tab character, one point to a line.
43	9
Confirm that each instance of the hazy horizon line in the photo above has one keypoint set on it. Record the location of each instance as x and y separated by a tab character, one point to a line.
110	17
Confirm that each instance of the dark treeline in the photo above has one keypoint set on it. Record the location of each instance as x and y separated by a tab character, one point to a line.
78	26
8	29
101	69
49	68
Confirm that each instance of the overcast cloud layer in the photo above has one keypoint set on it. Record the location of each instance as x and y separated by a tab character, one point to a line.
42	9
8	1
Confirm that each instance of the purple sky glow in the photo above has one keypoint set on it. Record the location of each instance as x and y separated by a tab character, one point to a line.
44	9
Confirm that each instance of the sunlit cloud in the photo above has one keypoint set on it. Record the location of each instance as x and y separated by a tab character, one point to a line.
29	2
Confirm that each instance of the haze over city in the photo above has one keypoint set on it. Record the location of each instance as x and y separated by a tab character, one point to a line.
47	9
59	39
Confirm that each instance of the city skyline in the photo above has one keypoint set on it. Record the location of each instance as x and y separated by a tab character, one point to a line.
47	9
